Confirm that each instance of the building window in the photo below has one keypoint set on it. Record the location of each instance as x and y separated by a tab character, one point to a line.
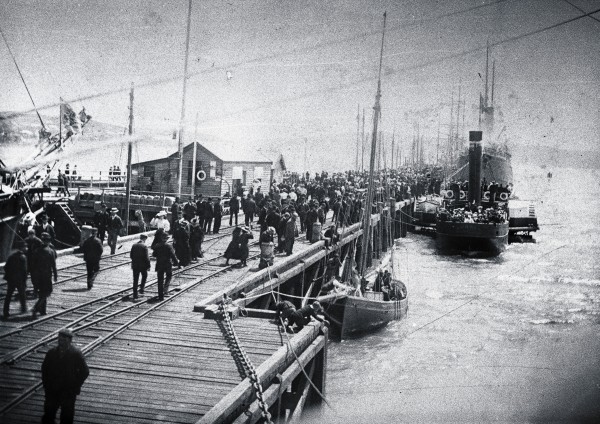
149	171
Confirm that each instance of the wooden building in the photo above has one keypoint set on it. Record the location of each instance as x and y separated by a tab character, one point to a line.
215	174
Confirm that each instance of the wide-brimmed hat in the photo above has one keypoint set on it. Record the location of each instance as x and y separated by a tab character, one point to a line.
114	210
161	213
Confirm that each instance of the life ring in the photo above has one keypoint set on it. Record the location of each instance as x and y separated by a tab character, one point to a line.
463	195
486	195
201	175
449	194
504	196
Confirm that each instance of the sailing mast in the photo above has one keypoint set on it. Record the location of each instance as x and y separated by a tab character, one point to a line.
367	211
182	119
129	154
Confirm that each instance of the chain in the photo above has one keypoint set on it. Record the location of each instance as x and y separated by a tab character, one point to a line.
241	358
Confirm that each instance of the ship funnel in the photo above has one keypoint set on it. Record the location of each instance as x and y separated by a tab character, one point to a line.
475	159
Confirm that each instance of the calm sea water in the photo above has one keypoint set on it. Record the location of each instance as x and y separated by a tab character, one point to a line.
509	339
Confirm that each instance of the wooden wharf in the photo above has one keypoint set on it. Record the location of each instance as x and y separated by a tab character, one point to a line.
165	361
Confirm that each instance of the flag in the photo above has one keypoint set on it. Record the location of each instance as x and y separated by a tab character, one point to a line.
69	118
84	117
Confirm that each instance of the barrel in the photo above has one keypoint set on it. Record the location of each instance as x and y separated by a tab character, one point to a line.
316	232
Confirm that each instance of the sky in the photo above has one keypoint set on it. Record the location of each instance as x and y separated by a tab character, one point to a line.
291	76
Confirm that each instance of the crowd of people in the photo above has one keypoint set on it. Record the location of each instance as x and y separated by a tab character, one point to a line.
495	214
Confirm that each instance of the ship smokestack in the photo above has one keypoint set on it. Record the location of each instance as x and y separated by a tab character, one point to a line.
475	159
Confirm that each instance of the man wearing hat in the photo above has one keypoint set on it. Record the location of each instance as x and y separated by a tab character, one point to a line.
45	227
43	269
165	258
217	215
101	221
302	316
114	228
92	252
140	264
196	239
64	371
15	274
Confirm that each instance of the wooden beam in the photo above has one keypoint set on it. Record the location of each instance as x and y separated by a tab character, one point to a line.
234	403
271	394
297	411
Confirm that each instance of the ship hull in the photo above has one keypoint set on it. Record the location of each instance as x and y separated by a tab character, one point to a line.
352	316
489	239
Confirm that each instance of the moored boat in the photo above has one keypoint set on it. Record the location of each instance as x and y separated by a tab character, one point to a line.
371	298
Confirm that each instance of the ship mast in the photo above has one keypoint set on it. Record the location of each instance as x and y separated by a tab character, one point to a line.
368	205
185	77
129	154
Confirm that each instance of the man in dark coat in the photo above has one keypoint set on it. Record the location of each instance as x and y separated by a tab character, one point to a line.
43	269
45	227
189	210
32	243
92	252
15	274
208	212
196	239
290	234
175	214
140	264
101	221
64	371
311	217
114	228
249	211
302	316
218	215
234	209
165	258
181	243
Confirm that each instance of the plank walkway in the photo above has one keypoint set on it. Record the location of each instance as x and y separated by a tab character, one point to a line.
171	366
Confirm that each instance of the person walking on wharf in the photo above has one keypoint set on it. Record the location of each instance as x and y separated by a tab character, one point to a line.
218	215
92	252
42	270
64	371
15	274
165	258
140	264
115	224
234	209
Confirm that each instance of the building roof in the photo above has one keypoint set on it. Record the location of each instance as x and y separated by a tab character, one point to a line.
155	148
